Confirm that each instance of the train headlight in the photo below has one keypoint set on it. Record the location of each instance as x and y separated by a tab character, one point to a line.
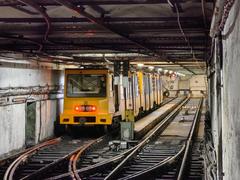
76	108
85	108
94	108
90	108
79	108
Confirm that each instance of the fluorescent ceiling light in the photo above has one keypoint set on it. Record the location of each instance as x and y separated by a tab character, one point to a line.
150	67
140	65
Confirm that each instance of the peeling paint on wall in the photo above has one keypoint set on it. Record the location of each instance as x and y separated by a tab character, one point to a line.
12	128
13	117
225	116
231	96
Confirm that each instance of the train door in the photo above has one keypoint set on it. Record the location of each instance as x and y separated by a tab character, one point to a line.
154	88
116	95
157	89
131	92
150	95
146	99
160	89
158	101
122	97
129	101
136	94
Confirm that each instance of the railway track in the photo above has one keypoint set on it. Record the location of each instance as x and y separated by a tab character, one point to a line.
146	155
158	155
77	158
38	161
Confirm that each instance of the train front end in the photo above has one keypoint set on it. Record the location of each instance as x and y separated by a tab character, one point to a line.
86	98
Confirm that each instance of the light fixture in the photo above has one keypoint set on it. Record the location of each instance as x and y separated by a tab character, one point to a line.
150	67
140	65
180	74
160	69
62	57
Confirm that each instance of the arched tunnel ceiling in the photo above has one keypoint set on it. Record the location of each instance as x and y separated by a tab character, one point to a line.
149	30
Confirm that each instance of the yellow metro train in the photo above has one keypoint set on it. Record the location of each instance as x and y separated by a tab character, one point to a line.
92	98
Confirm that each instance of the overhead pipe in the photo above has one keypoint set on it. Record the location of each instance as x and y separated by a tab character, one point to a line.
42	11
92	19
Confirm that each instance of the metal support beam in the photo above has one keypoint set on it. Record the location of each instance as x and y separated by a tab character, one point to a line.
101	2
101	23
99	10
106	19
107	27
22	9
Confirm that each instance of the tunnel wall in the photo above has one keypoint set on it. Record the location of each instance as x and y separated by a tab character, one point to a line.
14	117
195	83
231	95
225	98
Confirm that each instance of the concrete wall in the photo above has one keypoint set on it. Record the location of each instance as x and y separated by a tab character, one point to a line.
225	98
231	96
195	83
13	117
198	82
44	122
12	128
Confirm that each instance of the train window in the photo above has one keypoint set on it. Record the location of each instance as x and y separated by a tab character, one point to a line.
86	85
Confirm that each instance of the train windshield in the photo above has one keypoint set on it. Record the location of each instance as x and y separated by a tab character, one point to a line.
86	85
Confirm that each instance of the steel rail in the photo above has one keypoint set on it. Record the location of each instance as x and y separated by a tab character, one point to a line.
70	164
80	149
13	166
95	167
75	157
167	161
190	141
173	159
101	165
159	127
72	155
